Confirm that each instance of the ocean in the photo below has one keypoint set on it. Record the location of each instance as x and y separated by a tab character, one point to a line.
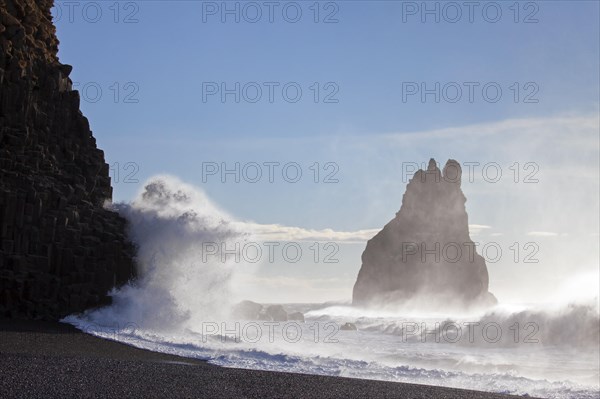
181	305
496	352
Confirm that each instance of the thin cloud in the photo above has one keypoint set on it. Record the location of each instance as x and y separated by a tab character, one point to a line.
521	125
542	234
277	232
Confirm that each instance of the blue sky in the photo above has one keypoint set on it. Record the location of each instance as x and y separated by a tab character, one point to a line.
161	54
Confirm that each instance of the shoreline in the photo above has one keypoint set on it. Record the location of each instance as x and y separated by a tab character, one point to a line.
46	359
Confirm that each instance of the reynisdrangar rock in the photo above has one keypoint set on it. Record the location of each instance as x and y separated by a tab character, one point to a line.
424	257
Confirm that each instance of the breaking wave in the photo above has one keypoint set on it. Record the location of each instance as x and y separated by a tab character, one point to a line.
176	287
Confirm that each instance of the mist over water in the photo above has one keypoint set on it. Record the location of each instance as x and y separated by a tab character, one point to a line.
168	222
181	300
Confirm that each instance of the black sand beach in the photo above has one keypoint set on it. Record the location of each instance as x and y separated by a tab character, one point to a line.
53	360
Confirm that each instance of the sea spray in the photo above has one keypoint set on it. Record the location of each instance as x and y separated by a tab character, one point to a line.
176	287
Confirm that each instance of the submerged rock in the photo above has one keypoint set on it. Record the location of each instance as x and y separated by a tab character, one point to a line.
247	310
296	316
276	313
348	327
424	256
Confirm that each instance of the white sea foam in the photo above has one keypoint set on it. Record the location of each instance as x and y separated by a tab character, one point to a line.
169	220
179	305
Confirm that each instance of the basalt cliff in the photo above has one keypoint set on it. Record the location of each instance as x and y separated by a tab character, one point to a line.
424	258
60	250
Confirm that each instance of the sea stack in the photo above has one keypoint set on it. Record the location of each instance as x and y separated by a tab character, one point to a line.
424	257
61	251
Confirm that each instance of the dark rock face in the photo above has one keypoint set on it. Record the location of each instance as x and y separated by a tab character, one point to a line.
348	327
424	256
296	316
248	310
60	250
276	313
